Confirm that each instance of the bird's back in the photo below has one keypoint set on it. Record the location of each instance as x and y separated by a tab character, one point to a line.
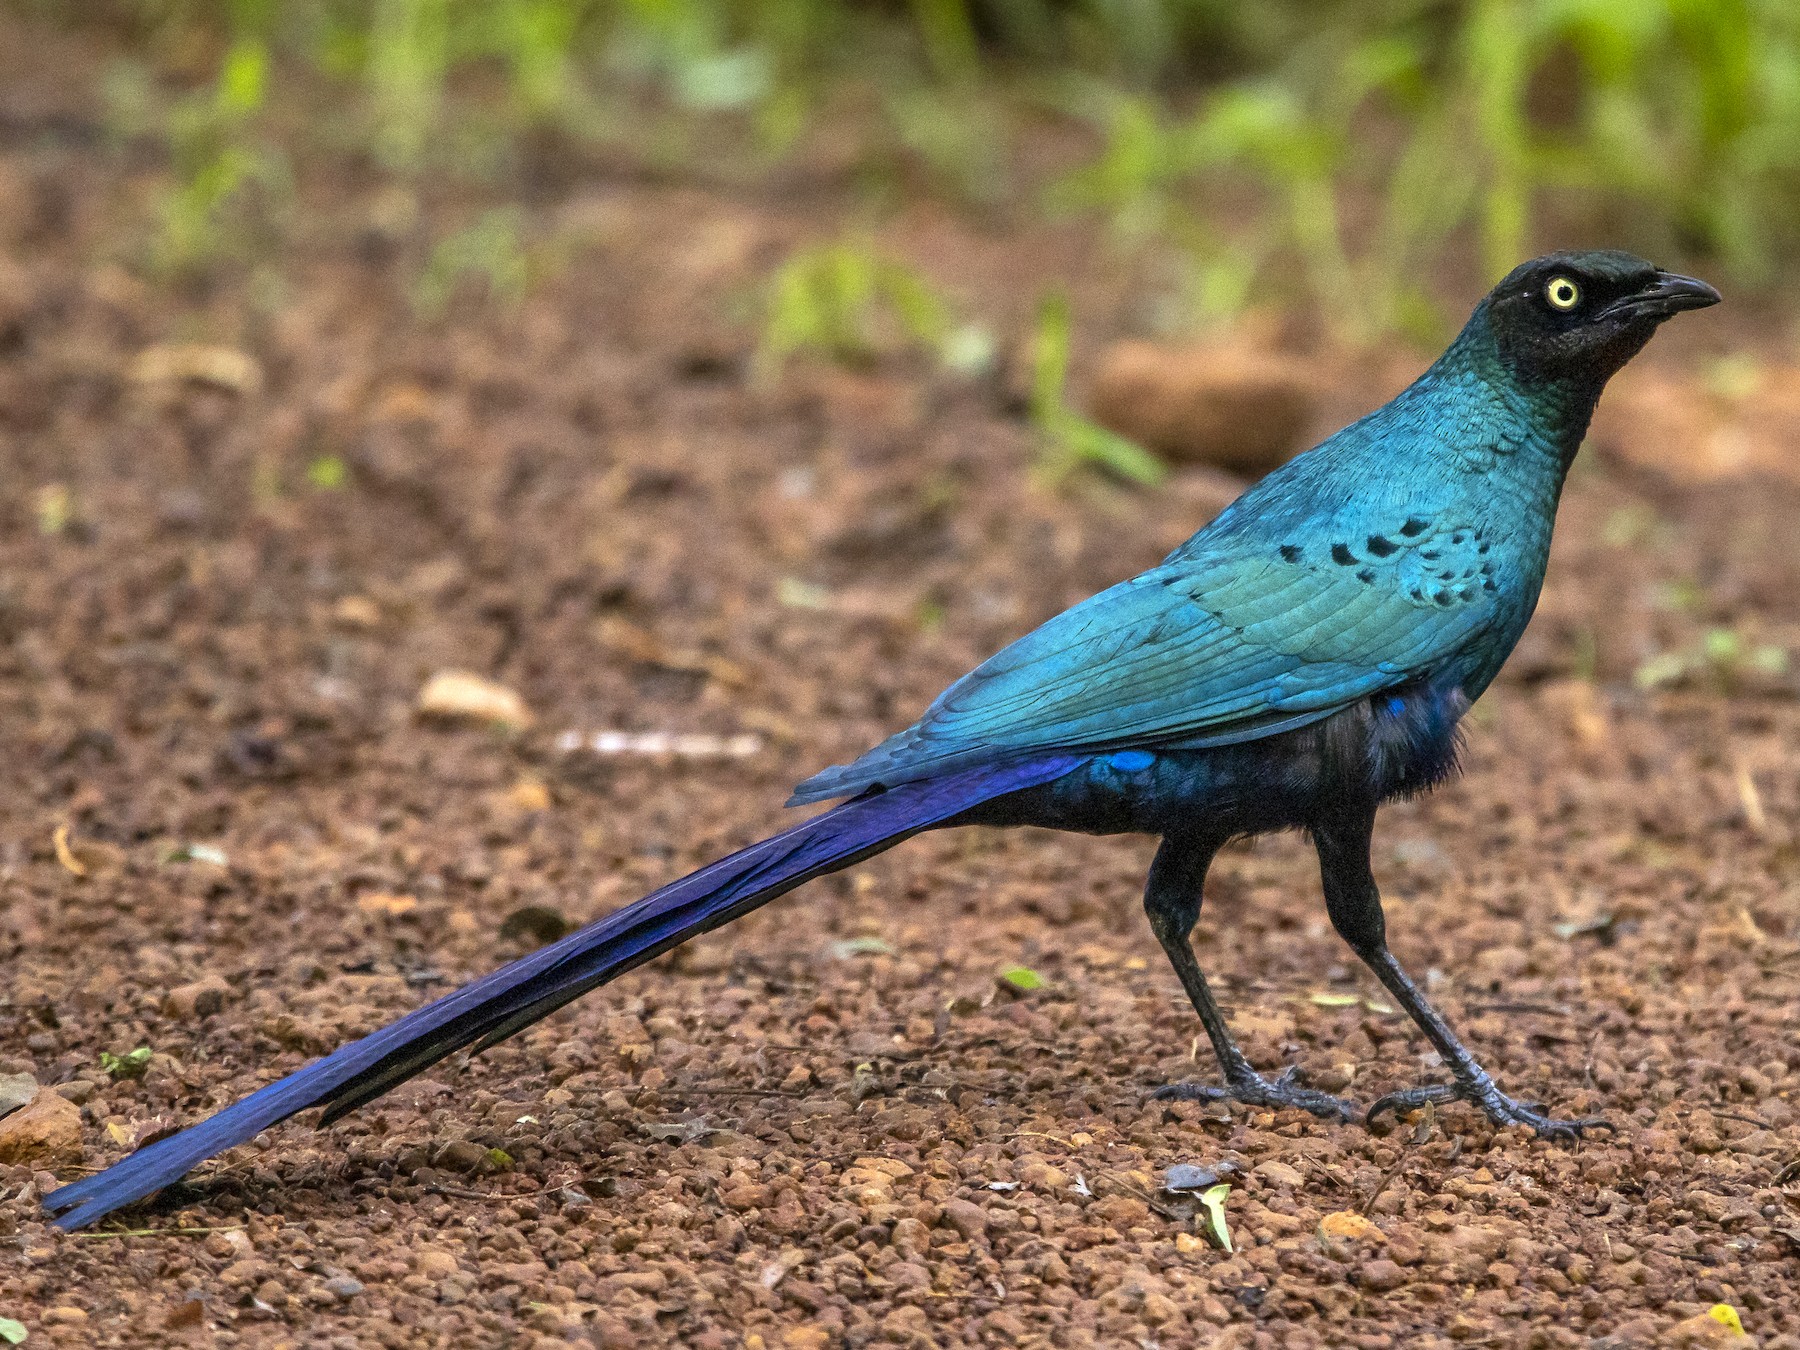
1411	541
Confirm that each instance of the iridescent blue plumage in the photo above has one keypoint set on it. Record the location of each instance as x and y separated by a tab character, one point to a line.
1300	660
1411	542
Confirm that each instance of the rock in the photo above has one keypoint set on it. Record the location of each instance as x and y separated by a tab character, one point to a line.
65	1315
745	1195
1347	1225
246	1273
968	1219
1708	1206
1122	1210
16	1090
1011	1330
1381	1275
435	1265
45	1130
642	1281
461	1155
1704	1331
1278	1173
1233	407
910	1235
203	998
457	695
78	1090
1743	426
1485	1243
343	1287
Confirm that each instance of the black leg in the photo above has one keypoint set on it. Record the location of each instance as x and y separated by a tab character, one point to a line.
1172	900
1354	904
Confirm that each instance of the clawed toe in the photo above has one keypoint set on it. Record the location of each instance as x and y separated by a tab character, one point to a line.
1255	1090
1499	1108
1408	1100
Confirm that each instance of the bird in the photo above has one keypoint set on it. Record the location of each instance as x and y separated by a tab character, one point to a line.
1302	659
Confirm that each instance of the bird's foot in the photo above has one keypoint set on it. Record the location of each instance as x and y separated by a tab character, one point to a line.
1500	1108
1252	1089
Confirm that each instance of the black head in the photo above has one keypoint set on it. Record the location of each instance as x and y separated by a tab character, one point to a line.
1582	316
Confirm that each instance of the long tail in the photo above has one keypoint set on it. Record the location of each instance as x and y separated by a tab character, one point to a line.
515	996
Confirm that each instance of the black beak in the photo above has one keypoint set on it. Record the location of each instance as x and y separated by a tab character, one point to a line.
1668	294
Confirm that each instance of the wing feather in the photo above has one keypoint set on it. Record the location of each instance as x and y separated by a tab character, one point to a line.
1208	649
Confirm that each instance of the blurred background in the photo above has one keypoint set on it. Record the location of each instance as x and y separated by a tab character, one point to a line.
1349	156
533	298
1145	234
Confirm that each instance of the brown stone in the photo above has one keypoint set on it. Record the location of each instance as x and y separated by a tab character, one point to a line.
200	999
969	1220
1381	1275
435	1265
45	1130
1236	408
1692	434
1703	1331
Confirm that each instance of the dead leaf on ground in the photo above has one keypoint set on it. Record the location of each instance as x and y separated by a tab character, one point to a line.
86	858
65	854
222	367
459	695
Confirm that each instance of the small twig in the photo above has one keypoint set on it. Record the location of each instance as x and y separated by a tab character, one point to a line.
1547	1009
1742	1120
464	1193
701	1090
1383	1184
155	1232
1034	1134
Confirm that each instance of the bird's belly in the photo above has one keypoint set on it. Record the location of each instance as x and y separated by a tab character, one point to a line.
1392	745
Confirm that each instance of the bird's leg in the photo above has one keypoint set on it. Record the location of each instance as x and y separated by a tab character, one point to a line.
1354	904
1172	900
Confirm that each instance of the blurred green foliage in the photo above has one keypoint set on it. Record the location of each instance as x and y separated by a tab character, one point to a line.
849	303
1330	150
1067	440
492	252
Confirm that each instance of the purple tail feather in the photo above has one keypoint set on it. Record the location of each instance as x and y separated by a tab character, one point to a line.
513	997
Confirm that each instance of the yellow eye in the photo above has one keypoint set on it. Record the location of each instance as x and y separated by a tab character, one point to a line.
1562	293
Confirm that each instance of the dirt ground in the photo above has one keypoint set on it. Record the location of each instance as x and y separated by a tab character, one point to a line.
828	1124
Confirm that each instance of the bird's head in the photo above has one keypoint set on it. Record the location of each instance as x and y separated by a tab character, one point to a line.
1581	316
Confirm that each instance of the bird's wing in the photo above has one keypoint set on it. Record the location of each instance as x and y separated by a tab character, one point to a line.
1206	650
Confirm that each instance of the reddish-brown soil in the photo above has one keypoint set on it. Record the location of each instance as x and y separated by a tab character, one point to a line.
589	501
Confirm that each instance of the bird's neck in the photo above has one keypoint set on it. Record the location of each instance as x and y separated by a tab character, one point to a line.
1535	425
